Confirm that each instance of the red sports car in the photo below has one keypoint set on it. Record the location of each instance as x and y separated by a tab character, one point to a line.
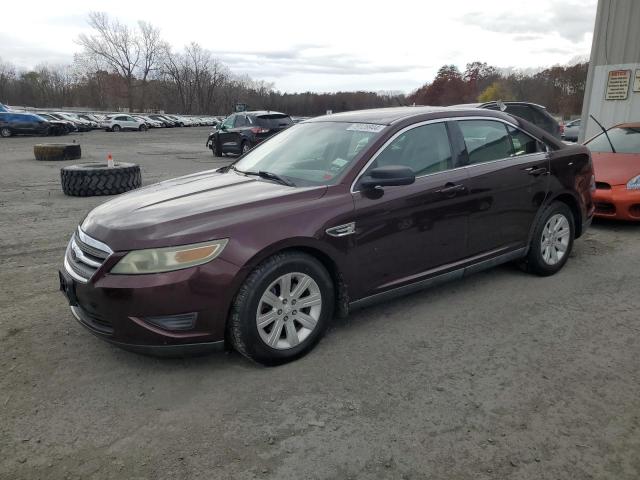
616	161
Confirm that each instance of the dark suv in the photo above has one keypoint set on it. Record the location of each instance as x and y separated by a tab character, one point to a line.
14	123
241	131
334	213
533	113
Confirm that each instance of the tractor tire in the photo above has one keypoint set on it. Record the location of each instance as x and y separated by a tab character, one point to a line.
93	179
57	151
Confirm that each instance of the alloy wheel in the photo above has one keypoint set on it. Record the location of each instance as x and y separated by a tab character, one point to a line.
289	310
555	239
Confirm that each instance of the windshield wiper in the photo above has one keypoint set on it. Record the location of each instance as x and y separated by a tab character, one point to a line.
605	133
269	176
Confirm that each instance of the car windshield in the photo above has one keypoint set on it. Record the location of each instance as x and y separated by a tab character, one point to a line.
310	153
624	139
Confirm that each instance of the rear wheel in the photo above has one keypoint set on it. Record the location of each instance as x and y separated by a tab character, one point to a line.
246	146
115	128
5	132
283	309
552	240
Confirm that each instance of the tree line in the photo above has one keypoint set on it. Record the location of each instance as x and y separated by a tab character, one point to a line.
122	67
559	88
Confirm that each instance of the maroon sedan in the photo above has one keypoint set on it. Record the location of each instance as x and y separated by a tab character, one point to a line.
333	213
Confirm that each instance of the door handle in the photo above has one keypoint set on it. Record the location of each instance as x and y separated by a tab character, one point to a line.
535	171
450	190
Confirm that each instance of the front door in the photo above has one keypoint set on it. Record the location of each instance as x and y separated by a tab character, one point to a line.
405	233
226	135
508	182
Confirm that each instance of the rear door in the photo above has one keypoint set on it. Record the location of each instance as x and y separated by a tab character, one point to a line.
508	182
407	231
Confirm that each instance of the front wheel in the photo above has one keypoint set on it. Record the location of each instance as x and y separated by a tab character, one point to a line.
552	240
283	309
143	128
215	148
5	132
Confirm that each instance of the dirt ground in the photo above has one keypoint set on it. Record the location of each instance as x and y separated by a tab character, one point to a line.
502	375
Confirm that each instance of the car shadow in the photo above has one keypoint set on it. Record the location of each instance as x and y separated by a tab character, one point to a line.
617	225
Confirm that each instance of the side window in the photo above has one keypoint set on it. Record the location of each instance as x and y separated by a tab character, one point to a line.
241	121
425	149
523	144
229	121
121	118
486	140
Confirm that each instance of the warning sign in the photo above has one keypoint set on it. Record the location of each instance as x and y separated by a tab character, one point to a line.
636	82
618	85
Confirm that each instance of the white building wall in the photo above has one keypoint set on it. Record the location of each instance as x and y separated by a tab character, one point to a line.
616	46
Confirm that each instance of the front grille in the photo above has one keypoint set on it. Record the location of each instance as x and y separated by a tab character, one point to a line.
84	256
605	208
603	186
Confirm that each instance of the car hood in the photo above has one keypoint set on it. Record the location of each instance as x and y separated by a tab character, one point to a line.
190	209
616	168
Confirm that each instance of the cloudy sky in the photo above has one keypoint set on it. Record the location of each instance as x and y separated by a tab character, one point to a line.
325	45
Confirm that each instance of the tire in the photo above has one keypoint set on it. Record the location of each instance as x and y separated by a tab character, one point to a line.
93	179
246	146
143	128
557	220
5	132
57	151
250	340
115	128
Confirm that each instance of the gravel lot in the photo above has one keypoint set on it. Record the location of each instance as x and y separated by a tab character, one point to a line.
502	375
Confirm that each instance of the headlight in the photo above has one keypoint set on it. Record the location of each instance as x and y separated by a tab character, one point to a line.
634	183
156	260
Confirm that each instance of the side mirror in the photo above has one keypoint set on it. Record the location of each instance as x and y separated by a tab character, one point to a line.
222	127
389	176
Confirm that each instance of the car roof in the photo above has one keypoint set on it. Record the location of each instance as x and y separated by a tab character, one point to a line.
627	125
493	102
261	112
391	115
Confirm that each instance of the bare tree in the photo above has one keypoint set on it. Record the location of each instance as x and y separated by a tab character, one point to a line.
7	76
151	49
117	45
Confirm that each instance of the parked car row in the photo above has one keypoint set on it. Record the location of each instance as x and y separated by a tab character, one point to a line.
62	123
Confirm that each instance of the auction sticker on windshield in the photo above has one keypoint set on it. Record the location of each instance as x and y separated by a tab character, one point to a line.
365	127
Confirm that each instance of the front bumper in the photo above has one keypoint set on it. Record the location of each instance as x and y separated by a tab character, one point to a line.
618	203
123	309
